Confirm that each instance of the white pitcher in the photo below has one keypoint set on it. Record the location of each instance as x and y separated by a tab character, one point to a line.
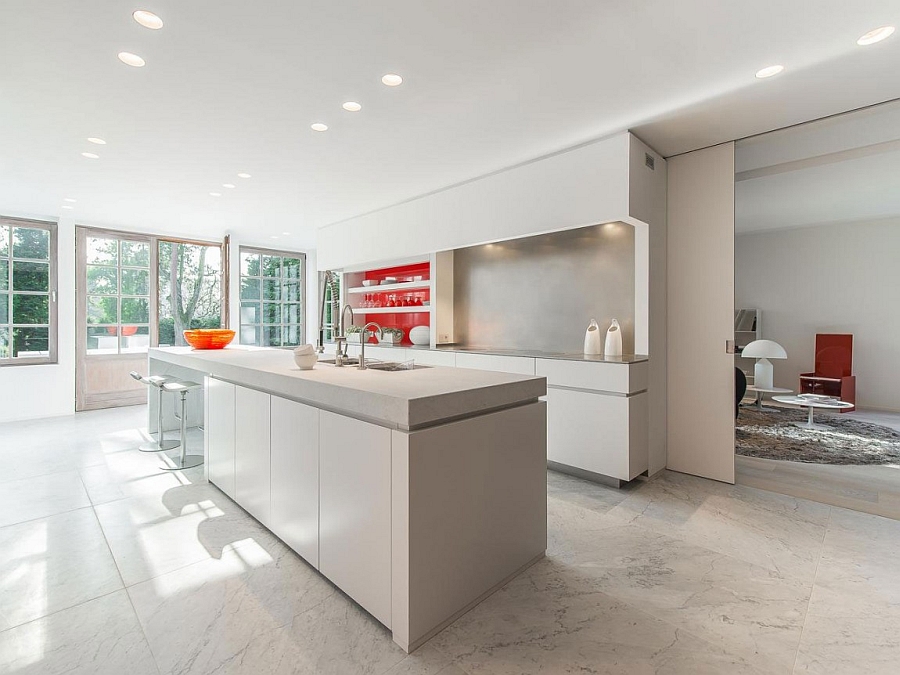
592	339
613	340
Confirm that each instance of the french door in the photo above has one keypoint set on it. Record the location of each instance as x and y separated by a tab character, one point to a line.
136	291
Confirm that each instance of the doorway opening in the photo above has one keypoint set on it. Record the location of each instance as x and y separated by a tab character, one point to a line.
817	224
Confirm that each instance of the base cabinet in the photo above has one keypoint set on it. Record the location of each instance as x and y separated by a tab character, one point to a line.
219	434
252	469
598	433
355	510
295	476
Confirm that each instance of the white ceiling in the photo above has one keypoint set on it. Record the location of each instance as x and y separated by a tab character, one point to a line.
234	86
839	170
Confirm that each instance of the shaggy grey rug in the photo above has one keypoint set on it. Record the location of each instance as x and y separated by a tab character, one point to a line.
772	435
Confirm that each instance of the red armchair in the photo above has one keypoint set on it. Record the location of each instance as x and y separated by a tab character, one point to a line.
834	365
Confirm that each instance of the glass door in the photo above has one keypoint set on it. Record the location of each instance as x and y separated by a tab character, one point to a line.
190	277
115	313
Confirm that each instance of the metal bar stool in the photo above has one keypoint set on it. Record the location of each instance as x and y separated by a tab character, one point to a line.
185	461
156	381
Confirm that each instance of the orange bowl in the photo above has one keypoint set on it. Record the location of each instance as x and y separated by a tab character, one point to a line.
209	338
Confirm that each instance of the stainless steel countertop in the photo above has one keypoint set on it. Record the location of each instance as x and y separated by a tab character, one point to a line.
534	354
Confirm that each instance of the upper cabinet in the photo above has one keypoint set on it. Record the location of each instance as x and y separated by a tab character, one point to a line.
610	180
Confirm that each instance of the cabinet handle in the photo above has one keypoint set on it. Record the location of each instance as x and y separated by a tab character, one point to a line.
729	347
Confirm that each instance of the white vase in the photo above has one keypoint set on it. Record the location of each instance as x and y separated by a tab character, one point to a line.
592	339
613	340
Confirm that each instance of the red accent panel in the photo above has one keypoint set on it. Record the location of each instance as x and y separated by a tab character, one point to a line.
834	366
407	320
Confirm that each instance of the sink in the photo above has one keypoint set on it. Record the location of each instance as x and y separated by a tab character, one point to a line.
350	361
371	364
393	367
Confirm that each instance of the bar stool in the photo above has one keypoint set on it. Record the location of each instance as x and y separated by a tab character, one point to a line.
156	381
186	461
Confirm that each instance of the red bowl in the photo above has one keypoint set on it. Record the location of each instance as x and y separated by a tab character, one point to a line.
209	338
129	330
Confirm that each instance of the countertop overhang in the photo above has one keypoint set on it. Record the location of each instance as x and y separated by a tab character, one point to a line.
406	400
531	353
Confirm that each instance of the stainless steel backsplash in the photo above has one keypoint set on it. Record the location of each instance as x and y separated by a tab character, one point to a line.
541	292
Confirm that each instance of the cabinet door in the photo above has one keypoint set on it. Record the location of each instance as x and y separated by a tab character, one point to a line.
355	510
520	365
432	357
219	434
252	470
592	432
295	477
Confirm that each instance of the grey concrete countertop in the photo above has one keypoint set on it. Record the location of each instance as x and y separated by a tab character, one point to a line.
563	356
407	399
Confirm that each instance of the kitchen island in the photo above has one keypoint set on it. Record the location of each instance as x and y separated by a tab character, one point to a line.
416	492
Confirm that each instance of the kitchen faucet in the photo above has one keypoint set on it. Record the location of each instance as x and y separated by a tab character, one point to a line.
362	343
341	339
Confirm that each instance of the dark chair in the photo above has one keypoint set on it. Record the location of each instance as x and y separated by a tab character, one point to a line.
740	388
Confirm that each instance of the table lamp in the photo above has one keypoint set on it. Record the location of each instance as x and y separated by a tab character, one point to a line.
763	350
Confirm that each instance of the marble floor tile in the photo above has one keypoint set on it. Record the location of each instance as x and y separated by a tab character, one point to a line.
134	474
41	496
741	607
153	535
579	492
426	660
780	533
573	529
202	618
551	619
334	638
840	645
51	564
99	637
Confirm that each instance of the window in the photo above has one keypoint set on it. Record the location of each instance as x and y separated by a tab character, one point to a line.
117	289
27	292
273	298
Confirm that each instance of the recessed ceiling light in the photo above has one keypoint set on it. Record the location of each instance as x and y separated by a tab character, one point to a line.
131	59
352	106
98	141
215	194
274	237
148	19
90	155
286	234
243	175
70	200
768	71
318	126
876	35
392	80
228	185
68	207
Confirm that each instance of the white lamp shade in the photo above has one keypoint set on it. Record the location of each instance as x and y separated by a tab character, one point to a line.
764	349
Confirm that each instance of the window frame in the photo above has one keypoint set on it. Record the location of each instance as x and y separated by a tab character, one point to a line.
52	292
297	255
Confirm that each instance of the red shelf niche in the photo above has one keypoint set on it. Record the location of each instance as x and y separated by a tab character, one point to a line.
407	320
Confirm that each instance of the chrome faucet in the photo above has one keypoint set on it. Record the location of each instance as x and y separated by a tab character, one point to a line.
362	343
341	339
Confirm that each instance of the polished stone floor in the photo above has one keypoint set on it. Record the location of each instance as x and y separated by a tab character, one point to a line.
110	566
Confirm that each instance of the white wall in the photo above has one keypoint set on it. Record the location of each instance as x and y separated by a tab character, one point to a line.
828	279
28	392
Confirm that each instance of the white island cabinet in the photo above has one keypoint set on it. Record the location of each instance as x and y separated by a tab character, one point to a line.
295	476
418	492
252	453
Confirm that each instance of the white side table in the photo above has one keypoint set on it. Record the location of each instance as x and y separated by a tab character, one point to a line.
812	404
759	391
